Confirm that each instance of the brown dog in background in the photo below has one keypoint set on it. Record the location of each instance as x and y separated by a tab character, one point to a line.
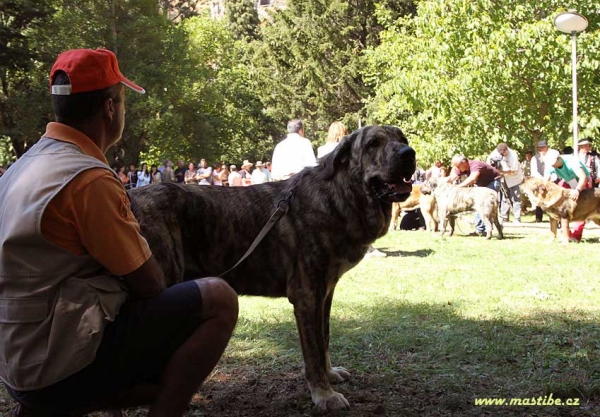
556	201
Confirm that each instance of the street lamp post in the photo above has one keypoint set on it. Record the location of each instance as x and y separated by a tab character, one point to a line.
573	23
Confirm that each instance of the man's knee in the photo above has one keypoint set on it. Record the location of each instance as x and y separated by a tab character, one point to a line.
218	299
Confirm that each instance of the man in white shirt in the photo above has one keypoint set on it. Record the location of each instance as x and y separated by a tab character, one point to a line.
292	154
259	176
512	177
590	160
537	171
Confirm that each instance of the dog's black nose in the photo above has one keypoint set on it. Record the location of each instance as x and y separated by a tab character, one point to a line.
407	153
408	161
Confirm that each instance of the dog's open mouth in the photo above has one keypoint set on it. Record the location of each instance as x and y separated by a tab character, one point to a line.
392	192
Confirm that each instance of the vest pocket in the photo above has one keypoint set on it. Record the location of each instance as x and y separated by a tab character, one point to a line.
23	310
20	320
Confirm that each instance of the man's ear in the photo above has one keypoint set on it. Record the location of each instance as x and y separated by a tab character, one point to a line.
340	155
109	108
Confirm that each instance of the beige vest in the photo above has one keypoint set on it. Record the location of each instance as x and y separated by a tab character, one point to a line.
53	304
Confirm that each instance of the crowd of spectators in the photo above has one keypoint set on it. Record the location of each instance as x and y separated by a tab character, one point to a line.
201	173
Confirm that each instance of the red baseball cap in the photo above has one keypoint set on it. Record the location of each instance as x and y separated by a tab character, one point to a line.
89	70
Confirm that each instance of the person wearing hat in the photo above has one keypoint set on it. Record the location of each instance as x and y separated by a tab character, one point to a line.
574	174
245	173
590	160
292	154
80	306
537	170
512	177
259	176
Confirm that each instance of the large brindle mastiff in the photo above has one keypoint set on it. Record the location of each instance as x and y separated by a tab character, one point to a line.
556	201
335	211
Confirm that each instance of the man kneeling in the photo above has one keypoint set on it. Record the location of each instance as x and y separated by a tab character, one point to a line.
86	322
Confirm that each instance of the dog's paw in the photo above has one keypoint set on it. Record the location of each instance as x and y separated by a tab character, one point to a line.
338	374
334	401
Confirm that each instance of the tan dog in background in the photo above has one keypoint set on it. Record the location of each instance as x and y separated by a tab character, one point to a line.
427	204
556	201
429	210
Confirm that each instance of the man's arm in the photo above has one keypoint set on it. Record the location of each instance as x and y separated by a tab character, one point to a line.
512	164
450	178
206	175
146	281
470	180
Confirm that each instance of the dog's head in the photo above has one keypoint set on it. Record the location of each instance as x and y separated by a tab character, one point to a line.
380	156
542	193
429	185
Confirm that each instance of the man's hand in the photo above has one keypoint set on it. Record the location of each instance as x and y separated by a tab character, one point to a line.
574	194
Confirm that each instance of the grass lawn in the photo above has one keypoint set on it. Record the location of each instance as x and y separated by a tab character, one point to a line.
427	330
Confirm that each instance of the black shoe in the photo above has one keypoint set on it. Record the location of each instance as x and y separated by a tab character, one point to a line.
476	234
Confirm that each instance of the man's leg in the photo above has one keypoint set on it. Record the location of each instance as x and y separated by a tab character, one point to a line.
577	232
196	358
515	196
504	207
157	352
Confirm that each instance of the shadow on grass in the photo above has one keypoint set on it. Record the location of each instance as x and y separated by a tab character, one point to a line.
410	360
422	253
417	360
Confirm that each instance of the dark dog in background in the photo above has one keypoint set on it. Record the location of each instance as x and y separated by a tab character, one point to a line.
452	200
335	211
425	202
556	201
411	203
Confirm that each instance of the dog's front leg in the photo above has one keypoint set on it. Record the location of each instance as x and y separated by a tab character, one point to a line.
443	215
337	373
452	221
309	309
566	232
553	226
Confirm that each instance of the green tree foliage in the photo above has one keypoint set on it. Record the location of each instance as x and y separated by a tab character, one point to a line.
18	54
242	18
462	76
197	103
309	62
218	116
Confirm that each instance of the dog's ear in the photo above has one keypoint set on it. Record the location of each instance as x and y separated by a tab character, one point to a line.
340	155
553	195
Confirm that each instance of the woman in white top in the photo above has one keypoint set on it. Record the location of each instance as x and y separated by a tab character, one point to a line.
156	175
336	132
143	176
216	174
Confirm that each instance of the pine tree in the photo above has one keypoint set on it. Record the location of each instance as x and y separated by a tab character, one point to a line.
242	19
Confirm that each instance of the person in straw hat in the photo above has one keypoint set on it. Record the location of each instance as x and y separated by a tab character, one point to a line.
245	173
258	175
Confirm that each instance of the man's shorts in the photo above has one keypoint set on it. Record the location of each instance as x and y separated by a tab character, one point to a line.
135	349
